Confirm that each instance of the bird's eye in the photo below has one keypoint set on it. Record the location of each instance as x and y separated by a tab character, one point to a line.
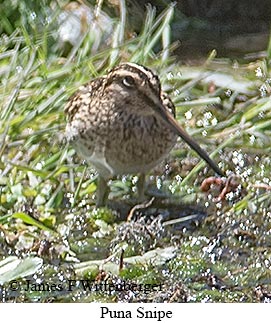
128	81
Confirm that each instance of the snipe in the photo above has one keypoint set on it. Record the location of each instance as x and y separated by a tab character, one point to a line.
123	123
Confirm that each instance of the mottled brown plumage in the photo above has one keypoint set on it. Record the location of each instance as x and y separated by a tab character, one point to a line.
123	123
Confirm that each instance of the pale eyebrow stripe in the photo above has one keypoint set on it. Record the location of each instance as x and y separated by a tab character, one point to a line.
138	67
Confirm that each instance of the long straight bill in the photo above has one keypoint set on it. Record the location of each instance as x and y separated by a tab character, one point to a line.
186	137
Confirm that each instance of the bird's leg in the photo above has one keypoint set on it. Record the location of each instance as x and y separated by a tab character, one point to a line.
141	187
102	192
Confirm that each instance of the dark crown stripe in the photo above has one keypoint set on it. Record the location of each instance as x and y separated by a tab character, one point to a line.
142	71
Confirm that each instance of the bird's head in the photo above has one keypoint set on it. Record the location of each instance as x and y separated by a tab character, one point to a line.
135	87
